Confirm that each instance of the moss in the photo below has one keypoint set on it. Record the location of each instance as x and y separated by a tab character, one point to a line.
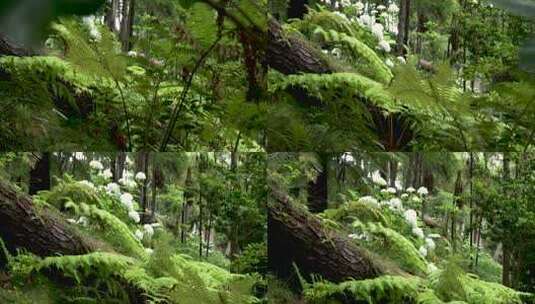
384	289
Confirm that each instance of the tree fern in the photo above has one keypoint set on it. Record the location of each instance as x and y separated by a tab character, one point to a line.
339	86
115	231
395	246
359	51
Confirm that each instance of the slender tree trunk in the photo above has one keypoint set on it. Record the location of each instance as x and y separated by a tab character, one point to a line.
200	224
127	23
209	234
117	168
471	175
393	172
318	188
40	174
142	165
403	26
112	13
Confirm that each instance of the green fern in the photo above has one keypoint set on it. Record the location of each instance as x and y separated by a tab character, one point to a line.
332	87
384	289
395	246
359	51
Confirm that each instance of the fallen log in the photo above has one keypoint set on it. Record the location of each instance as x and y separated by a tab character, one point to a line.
38	230
295	236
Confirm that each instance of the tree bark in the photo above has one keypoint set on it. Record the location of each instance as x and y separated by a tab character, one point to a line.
40	231
318	189
127	23
40	174
403	26
295	236
8	48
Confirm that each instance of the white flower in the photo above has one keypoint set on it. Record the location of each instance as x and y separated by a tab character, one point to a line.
366	20
132	54
378	179
113	188
139	234
423	251
95	164
381	7
149	251
418	232
422	191
378	31
345	3
404	195
140	176
385	46
411	217
368	200
391	190
83	221
396	203
401	59
149	231
410	190
435	236
87	184
134	216
72	221
431	267
106	174
355	236
127	200
416	199
336	52
384	191
389	63
359	6
393	8
430	244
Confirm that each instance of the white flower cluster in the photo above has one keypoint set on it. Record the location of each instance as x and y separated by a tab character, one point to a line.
378	179
87	184
106	174
140	176
96	165
369	201
422	191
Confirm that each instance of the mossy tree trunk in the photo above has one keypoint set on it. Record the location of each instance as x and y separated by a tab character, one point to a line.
298	237
39	230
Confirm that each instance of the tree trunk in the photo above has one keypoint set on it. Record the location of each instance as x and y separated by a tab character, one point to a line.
112	13
40	174
8	48
318	189
297	9
295	236
142	165
392	172
127	23
403	26
39	230
117	167
506	263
